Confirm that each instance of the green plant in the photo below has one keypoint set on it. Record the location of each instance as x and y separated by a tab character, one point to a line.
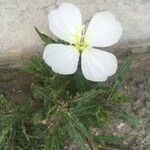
63	108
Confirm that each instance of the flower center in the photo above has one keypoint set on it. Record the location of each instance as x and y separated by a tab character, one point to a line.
81	43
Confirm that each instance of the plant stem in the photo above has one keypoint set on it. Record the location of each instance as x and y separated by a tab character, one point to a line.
89	144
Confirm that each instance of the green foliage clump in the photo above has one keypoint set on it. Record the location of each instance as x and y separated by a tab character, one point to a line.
63	108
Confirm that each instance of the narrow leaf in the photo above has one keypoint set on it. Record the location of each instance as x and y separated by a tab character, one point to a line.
88	95
121	74
128	118
52	143
110	139
45	38
125	67
76	136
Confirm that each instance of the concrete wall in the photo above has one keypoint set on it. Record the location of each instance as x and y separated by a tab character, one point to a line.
18	39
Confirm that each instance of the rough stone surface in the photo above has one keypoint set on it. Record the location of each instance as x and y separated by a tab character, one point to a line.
18	39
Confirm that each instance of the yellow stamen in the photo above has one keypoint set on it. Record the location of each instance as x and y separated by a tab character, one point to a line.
80	42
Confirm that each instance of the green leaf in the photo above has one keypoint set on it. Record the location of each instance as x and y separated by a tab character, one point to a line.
128	118
121	74
88	95
82	84
76	136
118	97
78	132
4	103
45	38
102	116
110	139
52	143
125	67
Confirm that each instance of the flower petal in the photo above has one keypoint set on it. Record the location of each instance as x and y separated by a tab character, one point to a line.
65	21
97	65
104	30
62	58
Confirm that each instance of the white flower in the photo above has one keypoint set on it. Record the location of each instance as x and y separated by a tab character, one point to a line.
103	30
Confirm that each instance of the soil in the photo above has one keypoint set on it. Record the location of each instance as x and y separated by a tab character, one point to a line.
16	86
137	87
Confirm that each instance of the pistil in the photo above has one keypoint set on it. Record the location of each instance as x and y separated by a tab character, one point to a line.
80	43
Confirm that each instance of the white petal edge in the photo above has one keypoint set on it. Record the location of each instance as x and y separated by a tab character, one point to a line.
63	59
104	30
65	22
98	65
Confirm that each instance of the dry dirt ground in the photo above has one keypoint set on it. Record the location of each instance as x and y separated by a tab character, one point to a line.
16	85
137	87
